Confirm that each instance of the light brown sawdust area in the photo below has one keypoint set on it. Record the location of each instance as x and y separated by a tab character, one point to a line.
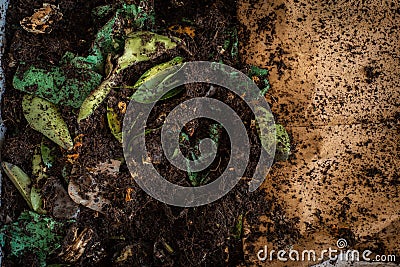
335	76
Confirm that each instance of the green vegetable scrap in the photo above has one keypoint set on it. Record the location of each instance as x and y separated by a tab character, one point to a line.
37	200
201	178
23	183
47	153
266	129
282	143
32	233
45	118
96	97
232	44
38	174
145	18
101	12
110	38
37	166
260	77
270	134
114	124
20	179
142	46
59	85
238	230
155	78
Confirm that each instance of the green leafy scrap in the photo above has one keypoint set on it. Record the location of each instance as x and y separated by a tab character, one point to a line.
260	76
47	153
271	134
110	38
20	179
238	230
25	186
59	85
143	46
32	233
201	178
145	18
38	174
282	143
232	43
100	12
114	124
97	96
156	70
149	87
38	166
37	200
45	118
139	46
266	129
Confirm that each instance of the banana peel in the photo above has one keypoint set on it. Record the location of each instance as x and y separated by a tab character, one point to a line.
45	118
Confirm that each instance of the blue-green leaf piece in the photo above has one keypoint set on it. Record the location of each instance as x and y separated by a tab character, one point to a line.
260	77
32	233
60	86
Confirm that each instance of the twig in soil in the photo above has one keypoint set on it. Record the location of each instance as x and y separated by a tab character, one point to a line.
184	48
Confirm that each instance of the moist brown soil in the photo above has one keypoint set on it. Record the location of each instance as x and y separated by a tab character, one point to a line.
202	236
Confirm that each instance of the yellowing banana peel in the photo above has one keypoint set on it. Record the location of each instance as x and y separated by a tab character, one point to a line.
139	46
154	80
94	100
149	74
114	124
143	46
45	118
23	183
20	179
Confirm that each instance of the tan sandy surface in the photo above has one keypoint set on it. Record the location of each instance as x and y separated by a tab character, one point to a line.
335	76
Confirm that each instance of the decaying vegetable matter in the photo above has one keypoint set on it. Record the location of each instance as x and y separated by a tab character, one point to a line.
97	88
42	20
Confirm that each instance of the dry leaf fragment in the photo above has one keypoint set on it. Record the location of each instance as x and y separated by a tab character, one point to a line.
72	252
183	30
122	107
110	167
128	194
42	20
72	158
90	199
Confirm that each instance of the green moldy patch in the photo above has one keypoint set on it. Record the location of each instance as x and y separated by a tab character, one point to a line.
63	86
133	229
33	234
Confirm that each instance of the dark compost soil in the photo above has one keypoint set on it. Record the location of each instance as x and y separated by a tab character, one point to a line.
203	236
